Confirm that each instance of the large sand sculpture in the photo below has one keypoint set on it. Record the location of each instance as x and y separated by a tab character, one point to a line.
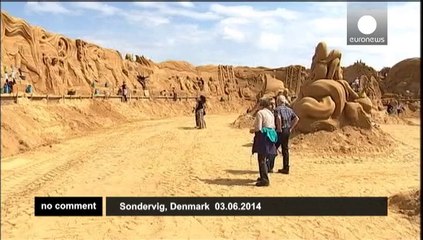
55	64
326	101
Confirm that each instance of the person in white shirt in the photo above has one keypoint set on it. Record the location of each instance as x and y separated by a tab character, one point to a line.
264	126
356	85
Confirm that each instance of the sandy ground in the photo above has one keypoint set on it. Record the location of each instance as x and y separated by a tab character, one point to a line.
169	158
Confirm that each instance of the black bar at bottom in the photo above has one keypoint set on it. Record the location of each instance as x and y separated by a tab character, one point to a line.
68	206
246	206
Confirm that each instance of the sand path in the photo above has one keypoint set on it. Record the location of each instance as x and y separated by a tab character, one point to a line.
168	158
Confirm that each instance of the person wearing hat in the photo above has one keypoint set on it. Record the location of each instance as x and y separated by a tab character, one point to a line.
265	138
285	122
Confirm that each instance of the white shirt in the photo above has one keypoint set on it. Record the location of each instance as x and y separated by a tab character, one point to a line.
264	119
357	81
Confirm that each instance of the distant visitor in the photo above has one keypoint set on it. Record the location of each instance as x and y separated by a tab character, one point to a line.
124	92
200	112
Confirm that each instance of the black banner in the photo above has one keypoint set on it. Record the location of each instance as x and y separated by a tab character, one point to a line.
68	206
246	206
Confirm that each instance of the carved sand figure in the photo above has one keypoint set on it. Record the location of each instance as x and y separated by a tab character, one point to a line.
325	102
11	27
21	60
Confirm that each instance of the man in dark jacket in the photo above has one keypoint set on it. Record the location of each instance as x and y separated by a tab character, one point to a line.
286	120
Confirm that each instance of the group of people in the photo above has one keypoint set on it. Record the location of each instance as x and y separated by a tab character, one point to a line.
10	80
8	85
274	122
397	109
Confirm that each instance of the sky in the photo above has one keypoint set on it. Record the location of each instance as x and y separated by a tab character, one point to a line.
270	34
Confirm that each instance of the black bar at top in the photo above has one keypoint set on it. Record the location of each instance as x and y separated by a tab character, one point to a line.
247	206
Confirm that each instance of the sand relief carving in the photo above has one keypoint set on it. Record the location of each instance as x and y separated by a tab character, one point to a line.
189	84
226	79
212	86
325	101
295	76
12	27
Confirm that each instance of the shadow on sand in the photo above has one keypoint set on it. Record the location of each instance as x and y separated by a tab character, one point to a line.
229	182
187	128
240	172
248	145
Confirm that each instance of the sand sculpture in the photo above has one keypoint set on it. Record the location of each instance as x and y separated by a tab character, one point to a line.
271	86
294	77
372	90
227	81
325	101
55	64
370	80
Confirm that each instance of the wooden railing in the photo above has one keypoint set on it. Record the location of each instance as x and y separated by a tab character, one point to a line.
16	97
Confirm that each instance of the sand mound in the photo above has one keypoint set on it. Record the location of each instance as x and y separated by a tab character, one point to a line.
244	121
382	117
407	203
345	141
178	66
404	76
357	70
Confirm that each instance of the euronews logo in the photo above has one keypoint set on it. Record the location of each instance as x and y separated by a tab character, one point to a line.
367	23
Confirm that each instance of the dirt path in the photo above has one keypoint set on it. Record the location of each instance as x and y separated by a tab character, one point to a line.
140	159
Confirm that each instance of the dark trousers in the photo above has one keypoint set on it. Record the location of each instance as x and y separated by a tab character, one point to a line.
197	120
263	167
271	162
283	138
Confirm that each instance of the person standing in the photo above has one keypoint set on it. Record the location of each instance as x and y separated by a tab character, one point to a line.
356	85
125	91
265	138
286	120
13	74
400	109
270	161
174	94
6	88
11	84
200	112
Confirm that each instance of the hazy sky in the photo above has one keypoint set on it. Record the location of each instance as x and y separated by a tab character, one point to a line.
243	33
